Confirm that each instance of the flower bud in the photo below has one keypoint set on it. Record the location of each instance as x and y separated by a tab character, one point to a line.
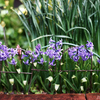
3	24
24	82
11	81
56	86
7	2
18	70
35	64
50	78
61	63
82	88
83	80
73	76
19	50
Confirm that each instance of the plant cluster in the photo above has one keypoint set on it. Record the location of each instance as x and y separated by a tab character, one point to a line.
77	23
23	61
76	52
53	52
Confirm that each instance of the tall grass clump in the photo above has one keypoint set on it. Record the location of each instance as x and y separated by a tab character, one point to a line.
77	19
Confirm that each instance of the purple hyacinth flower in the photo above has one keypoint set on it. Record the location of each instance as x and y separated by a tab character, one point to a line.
85	57
51	41
75	58
13	62
38	47
12	52
52	63
27	52
41	61
27	62
35	55
89	45
0	43
98	61
59	44
23	56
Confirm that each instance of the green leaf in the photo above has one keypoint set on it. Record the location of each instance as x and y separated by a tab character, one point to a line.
71	85
43	85
2	3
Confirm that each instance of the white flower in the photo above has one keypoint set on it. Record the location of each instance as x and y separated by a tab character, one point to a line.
11	81
18	70
21	10
84	80
56	86
82	88
73	76
24	82
61	63
4	12
50	78
93	73
35	64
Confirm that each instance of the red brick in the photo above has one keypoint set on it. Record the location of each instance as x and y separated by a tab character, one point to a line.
93	96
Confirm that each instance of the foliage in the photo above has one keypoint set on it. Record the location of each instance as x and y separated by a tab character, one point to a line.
53	62
74	21
10	26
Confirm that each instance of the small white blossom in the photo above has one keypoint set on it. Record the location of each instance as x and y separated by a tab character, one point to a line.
35	64
18	70
24	82
56	86
11	81
50	78
84	80
82	88
73	76
61	63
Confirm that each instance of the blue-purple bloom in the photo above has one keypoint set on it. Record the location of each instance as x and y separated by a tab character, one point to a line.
27	62
38	48
52	63
12	52
89	45
4	54
51	41
80	52
0	43
54	50
98	61
13	62
41	61
75	58
23	56
27	52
